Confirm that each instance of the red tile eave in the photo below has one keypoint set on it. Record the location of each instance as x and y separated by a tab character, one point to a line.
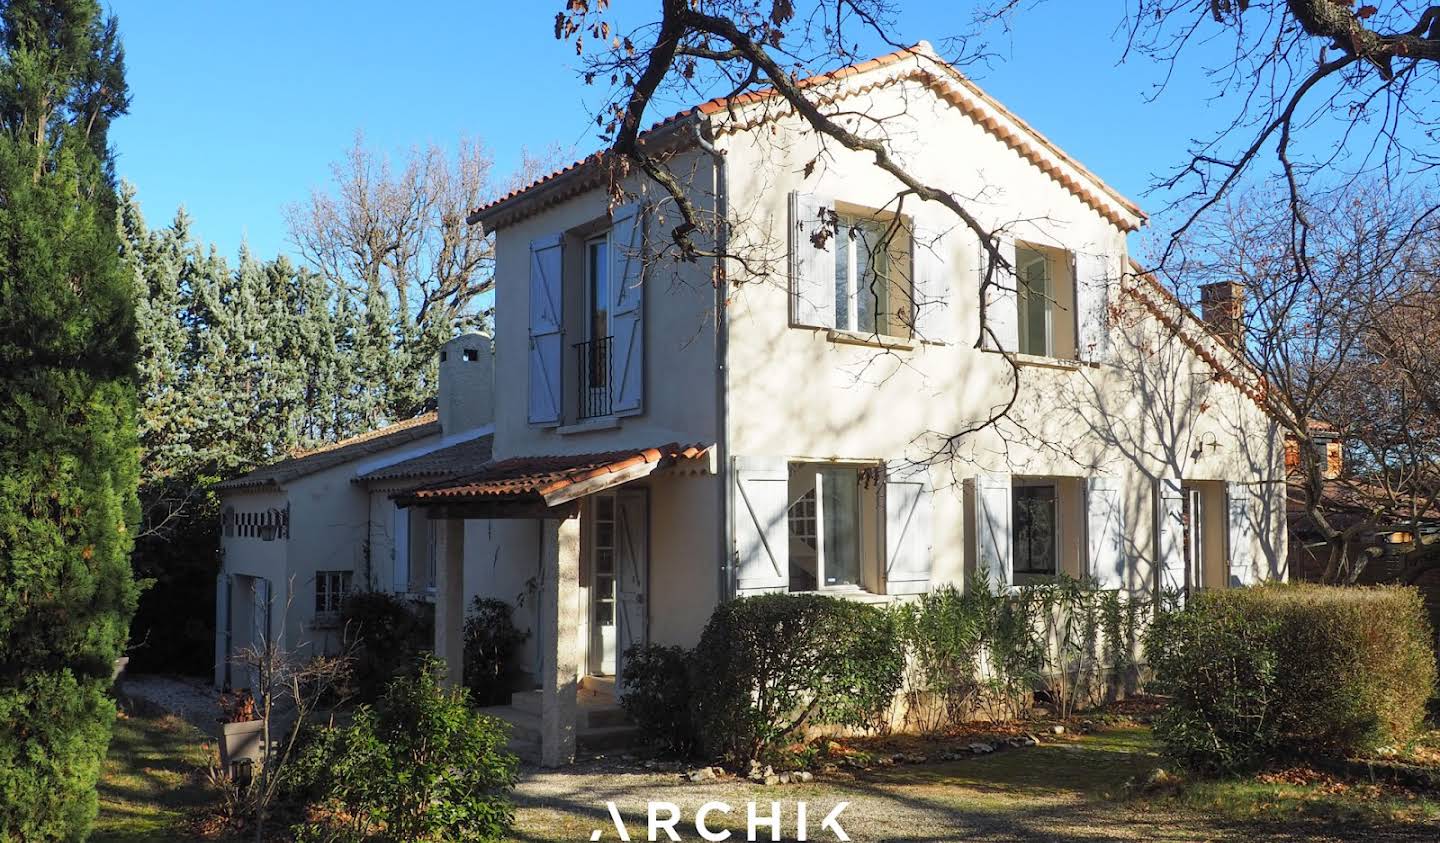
537	478
493	210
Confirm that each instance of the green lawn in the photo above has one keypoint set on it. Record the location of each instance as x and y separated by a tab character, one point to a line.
152	778
1077	787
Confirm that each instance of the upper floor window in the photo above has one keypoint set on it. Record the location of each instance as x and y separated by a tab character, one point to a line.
597	289
1045	301
863	275
586	301
1036	299
865	271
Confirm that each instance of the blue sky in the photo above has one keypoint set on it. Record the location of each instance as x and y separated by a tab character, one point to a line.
240	107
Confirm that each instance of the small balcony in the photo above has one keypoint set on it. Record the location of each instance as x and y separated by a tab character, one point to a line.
592	363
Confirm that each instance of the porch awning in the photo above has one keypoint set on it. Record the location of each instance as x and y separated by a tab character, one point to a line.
542	486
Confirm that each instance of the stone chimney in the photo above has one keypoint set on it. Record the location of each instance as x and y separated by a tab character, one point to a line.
1222	307
466	397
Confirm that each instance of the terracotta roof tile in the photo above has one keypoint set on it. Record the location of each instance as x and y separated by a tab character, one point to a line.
456	460
303	463
1020	142
535	479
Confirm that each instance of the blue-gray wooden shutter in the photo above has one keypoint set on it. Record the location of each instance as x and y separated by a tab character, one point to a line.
546	329
1105	532
627	310
812	261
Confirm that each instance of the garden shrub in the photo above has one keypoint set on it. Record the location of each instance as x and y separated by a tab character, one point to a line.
768	665
492	657
1258	674
420	765
388	632
656	695
944	633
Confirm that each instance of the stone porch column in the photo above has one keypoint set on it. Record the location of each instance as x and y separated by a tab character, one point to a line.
450	597
559	639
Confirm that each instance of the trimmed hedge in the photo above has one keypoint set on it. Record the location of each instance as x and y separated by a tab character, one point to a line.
657	696
1256	675
768	665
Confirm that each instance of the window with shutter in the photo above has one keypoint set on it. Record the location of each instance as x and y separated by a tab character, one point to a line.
1172	535
1242	534
997	281
933	319
1105	532
908	528
761	498
994	539
812	260
627	310
546	265
1095	275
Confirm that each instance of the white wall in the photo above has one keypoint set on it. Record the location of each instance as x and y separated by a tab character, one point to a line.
798	394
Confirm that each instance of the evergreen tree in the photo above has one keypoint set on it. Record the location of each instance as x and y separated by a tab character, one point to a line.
68	447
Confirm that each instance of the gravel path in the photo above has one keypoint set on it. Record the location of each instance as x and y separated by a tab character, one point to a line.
184	696
944	802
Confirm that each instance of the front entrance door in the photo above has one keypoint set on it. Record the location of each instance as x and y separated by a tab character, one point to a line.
620	571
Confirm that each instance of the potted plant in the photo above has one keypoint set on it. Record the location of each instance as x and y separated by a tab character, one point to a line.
240	731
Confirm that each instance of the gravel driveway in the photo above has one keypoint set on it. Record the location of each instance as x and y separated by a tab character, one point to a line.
972	799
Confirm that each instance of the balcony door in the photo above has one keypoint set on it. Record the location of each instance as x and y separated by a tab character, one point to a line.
594	357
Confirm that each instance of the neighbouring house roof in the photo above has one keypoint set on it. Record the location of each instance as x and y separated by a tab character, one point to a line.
944	79
1356	497
453	461
550	480
303	463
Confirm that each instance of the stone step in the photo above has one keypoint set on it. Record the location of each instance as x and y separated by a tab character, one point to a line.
524	726
528	701
602	716
606	738
590	711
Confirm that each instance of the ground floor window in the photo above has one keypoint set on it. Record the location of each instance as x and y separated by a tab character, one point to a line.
1035	528
330	590
829	506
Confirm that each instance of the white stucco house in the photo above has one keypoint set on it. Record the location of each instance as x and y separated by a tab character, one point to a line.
299	534
668	435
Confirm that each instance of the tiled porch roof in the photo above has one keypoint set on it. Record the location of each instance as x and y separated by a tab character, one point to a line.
550	480
454	461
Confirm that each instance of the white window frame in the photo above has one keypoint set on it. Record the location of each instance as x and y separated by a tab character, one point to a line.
589	291
330	590
862	534
851	262
1195	539
1024	295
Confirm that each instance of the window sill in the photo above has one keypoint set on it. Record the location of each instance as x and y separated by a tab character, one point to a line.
849	592
589	426
884	341
1040	361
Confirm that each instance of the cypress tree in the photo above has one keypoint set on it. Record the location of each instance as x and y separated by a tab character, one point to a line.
68	447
